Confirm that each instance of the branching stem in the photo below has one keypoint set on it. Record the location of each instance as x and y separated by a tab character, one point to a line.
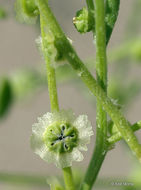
101	147
117	136
69	53
68	178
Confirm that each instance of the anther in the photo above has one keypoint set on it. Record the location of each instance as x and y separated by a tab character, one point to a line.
66	146
71	135
63	127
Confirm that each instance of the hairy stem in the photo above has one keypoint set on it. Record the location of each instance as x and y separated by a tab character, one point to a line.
52	86
100	149
91	18
66	48
117	136
51	77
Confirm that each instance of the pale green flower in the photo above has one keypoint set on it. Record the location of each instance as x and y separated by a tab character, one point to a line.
26	11
82	21
59	137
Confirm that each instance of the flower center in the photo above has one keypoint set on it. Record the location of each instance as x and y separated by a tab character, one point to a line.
61	137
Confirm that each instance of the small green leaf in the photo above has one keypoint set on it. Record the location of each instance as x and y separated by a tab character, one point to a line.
5	96
112	8
3	13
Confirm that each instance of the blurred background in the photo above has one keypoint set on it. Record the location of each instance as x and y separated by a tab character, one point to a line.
23	82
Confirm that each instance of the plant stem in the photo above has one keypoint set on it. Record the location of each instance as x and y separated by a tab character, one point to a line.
66	48
70	54
52	86
67	172
115	114
90	6
117	136
91	18
51	77
68	178
100	149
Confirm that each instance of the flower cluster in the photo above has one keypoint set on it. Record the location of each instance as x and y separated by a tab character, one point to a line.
59	137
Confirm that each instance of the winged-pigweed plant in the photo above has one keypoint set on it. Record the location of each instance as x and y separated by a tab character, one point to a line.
58	136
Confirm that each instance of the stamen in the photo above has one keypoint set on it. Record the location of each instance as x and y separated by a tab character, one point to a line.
71	135
66	146
60	138
63	127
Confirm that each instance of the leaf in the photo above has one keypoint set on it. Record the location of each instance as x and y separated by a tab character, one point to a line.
6	96
3	13
112	8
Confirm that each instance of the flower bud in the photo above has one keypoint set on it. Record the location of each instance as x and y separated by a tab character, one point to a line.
81	21
30	8
26	11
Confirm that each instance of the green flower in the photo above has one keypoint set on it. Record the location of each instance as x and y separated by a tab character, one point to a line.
26	11
59	137
82	21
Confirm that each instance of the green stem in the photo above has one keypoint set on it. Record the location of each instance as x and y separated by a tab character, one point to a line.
101	59
52	87
115	114
100	149
68	178
91	18
67	172
70	54
90	6
117	136
51	77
